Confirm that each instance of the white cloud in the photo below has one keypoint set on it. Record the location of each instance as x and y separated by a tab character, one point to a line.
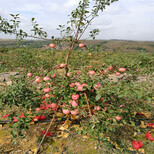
71	3
125	19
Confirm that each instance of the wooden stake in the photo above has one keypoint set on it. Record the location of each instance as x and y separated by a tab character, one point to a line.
38	148
87	102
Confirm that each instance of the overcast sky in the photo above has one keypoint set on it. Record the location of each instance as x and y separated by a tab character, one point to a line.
125	19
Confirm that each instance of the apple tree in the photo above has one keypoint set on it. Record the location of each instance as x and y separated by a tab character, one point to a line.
79	20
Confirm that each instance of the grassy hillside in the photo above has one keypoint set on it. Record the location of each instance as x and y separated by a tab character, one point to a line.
120	106
106	45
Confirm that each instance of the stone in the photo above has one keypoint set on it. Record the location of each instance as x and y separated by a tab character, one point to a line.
5	79
2	79
115	78
8	83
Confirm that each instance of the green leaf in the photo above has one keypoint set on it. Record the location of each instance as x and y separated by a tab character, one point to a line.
13	133
98	96
33	19
12	15
86	1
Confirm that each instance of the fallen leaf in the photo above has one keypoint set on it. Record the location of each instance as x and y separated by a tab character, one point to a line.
7	115
148	136
147	114
131	149
151	125
15	119
2	84
48	134
35	119
76	127
140	144
41	117
134	114
141	150
61	145
29	112
135	133
63	134
32	123
143	125
66	125
21	115
85	136
75	117
59	115
108	139
137	144
114	143
34	150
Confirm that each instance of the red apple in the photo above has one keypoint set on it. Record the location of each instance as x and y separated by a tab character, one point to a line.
74	104
46	78
105	109
52	45
121	105
75	96
81	45
122	69
79	88
91	72
117	73
70	102
77	72
98	85
77	84
54	76
47	95
66	111
69	74
110	68
29	74
38	79
84	84
117	117
72	85
62	65
53	105
37	109
97	108
74	112
102	99
46	90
